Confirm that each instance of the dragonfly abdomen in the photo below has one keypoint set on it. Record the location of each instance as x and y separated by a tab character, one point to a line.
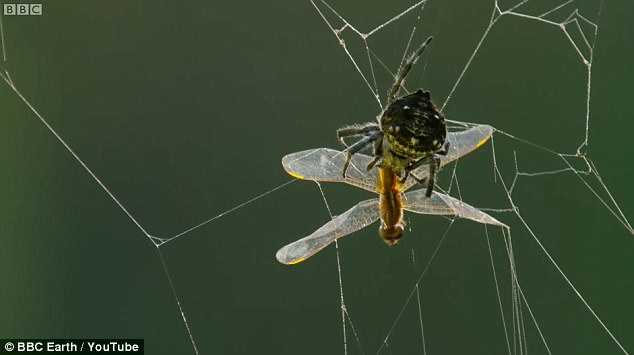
390	205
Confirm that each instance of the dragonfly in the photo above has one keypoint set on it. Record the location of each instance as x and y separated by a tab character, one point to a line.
325	165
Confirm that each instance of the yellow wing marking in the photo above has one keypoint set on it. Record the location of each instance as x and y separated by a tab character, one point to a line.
297	176
482	142
296	261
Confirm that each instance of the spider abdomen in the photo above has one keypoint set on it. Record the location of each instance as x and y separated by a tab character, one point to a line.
413	128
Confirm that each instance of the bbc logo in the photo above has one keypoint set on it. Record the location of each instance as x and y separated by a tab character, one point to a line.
22	9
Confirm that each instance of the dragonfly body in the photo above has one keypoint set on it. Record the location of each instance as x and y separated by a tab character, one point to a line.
390	205
394	195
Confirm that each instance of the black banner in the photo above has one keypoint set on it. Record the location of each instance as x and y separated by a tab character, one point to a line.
72	346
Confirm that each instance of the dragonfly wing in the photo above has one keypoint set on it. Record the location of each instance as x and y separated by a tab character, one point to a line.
323	164
464	142
461	143
441	204
361	215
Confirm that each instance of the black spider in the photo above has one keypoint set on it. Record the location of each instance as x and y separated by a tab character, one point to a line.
410	131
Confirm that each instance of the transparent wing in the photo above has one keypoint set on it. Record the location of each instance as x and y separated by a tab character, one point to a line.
367	212
441	204
461	143
361	215
323	164
464	142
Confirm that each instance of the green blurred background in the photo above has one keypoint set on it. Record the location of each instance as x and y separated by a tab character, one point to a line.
185	109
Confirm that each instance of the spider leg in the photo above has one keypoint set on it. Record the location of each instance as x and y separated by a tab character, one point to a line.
419	162
413	166
404	70
357	147
356	130
433	169
405	176
378	153
419	180
445	149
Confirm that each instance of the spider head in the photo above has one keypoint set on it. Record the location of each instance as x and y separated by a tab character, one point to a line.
413	126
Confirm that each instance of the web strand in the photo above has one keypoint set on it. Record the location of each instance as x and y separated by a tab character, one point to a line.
416	283
162	241
337	31
178	301
497	291
344	311
4	48
420	317
156	241
558	268
75	156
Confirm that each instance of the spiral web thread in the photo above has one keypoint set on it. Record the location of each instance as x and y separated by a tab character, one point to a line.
521	312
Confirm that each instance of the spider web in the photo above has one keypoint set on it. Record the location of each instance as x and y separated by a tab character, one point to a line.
583	42
585	51
519	321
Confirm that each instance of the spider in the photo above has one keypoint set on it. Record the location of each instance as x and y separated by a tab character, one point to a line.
410	131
